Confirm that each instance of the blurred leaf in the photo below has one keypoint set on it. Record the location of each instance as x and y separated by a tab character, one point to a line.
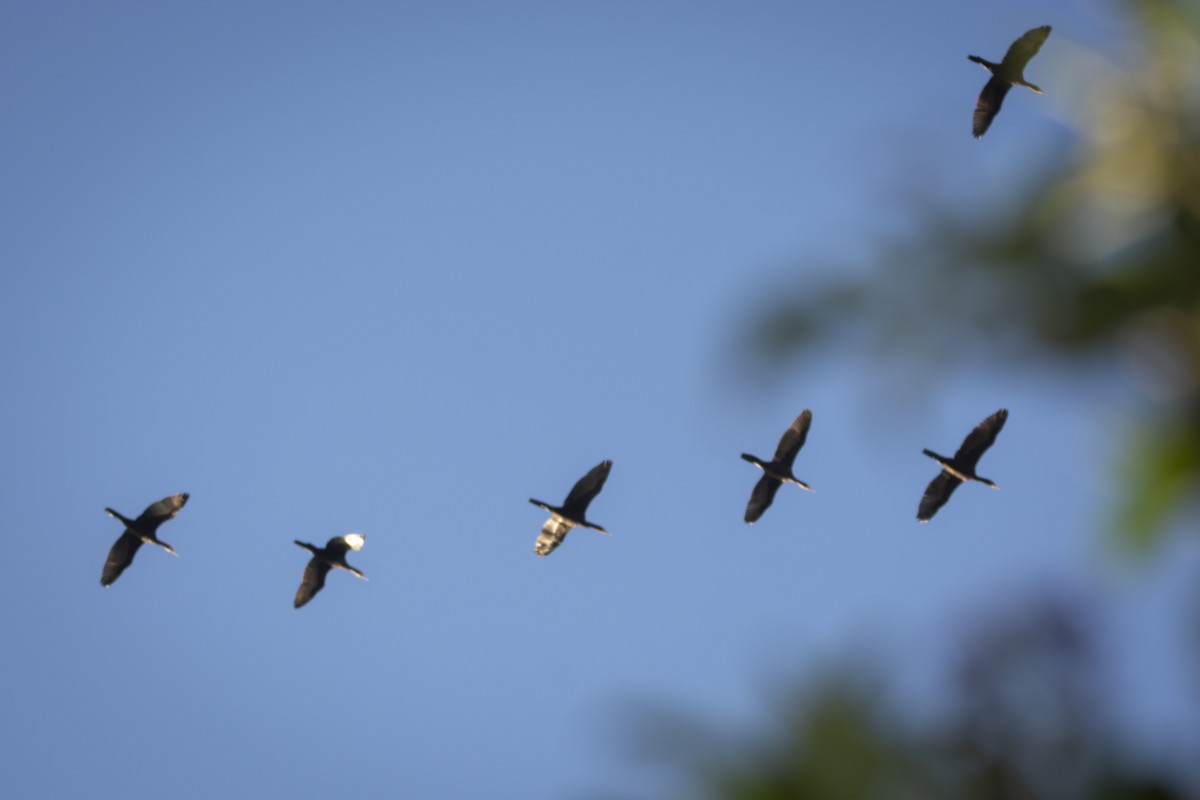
1161	472
1023	721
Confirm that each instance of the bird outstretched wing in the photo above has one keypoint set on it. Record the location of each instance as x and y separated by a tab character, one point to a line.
793	438
762	497
158	513
988	105
552	535
936	495
120	556
1023	49
586	489
981	438
312	582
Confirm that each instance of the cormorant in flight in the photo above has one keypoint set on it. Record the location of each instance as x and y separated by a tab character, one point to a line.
331	556
962	466
142	529
571	513
778	470
1008	73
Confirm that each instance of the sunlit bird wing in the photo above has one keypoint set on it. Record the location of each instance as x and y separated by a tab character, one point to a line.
1023	49
552	535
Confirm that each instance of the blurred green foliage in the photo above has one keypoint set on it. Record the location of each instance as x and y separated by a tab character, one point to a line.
1022	717
1097	260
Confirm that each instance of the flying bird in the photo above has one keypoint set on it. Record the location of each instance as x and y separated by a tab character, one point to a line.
137	531
778	470
572	512
331	556
962	466
1008	73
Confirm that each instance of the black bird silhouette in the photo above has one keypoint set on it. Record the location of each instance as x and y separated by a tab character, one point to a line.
331	556
962	466
572	512
1008	73
778	470
142	529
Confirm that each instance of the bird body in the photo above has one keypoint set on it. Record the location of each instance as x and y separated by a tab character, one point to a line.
1008	73
331	556
957	470
960	468
144	529
572	513
778	470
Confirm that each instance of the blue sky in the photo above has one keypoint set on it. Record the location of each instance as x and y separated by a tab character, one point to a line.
395	268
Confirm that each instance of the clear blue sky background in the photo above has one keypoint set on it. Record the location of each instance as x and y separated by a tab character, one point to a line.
395	268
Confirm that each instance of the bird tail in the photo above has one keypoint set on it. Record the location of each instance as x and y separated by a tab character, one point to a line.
940	459
310	548
983	62
118	515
